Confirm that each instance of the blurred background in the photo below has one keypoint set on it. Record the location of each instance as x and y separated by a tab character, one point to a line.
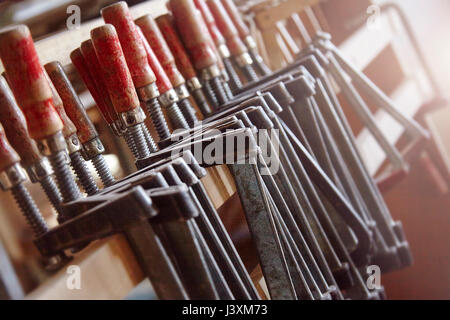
384	51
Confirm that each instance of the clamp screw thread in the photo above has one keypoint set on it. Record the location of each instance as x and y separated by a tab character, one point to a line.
210	94
29	210
152	147
250	73
82	172
201	102
66	183
219	92
235	81
157	116
176	117
51	190
103	171
262	68
138	138
188	112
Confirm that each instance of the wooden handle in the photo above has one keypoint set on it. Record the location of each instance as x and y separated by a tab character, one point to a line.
226	26
69	128
72	104
8	156
119	16
193	34
162	80
182	60
207	15
15	126
160	48
82	67
114	68
236	17
95	72
27	81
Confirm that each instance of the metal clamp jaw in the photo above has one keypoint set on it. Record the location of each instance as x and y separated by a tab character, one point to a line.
12	176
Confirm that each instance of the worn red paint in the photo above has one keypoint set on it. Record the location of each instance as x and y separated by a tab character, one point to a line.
81	65
160	48
162	80
235	16
114	69
208	17
71	102
93	66
28	83
7	154
193	34
15	127
133	49
228	29
175	45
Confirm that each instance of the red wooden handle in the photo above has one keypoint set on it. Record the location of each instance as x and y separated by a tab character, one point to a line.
236	17
193	34
182	60
114	68
159	46
207	15
72	104
119	16
15	126
28	83
226	26
162	80
8	156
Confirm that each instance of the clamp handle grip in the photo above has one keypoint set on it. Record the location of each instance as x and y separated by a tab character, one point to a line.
162	80
114	68
193	34
72	104
226	26
8	156
182	60
15	126
93	68
27	81
159	46
119	16
236	17
69	128
207	15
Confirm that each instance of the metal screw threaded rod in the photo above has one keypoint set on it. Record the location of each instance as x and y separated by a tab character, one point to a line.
103	171
188	112
235	81
157	116
210	94
130	143
219	92
29	209
82	172
258	61
250	73
138	138
66	183
201	102
51	190
152	147
227	89
176	117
